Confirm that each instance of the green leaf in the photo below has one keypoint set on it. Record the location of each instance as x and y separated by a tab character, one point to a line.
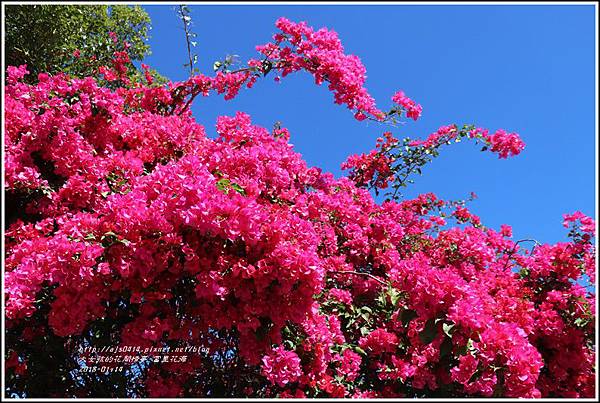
107	234
394	295
125	242
468	348
47	191
447	328
407	315
429	332
267	67
238	189
381	299
360	350
445	347
224	185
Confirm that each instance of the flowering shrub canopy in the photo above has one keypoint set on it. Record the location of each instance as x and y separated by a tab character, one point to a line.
127	225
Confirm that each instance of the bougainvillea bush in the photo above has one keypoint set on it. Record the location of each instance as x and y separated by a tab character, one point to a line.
128	226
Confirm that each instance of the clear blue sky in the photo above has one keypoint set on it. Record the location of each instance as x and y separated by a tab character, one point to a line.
528	69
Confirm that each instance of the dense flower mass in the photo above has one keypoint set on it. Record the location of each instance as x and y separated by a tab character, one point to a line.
129	225
374	167
281	367
379	341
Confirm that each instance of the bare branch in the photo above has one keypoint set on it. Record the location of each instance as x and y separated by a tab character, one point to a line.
184	15
514	249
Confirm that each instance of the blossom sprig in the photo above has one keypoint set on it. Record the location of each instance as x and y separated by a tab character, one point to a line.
394	163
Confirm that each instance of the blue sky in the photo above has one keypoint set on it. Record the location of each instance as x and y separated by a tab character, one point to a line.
528	69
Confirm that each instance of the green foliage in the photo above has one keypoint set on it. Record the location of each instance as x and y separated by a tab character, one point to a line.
45	37
225	185
429	333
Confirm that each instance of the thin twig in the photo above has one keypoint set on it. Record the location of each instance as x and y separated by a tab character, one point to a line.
361	274
183	14
514	249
